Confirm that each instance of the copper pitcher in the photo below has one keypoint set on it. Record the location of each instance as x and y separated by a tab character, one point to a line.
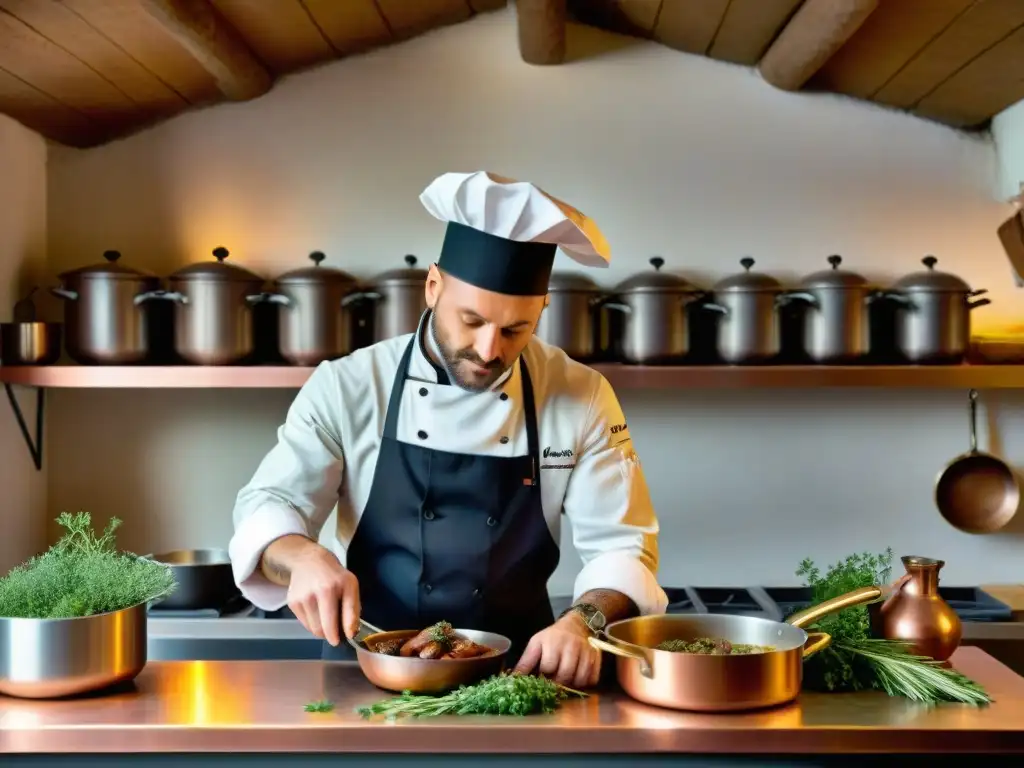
916	613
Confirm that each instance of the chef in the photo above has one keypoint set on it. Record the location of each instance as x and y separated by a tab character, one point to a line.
451	454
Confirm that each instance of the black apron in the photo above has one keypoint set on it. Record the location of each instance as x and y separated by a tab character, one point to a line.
453	536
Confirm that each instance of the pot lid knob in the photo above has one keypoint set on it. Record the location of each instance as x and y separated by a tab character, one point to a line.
220	253
111	256
746	262
410	260
657	262
316	257
929	262
835	261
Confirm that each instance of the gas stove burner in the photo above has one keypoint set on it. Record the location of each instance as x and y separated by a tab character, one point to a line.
729	601
236	608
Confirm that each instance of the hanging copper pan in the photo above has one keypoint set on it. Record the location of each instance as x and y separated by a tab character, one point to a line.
719	683
977	492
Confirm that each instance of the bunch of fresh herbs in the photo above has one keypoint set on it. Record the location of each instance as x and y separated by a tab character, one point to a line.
856	661
503	694
82	575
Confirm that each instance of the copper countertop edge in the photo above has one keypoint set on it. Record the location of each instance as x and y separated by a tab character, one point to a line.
257	707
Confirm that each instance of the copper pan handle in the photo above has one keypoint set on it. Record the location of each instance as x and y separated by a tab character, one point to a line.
857	597
816	641
626	653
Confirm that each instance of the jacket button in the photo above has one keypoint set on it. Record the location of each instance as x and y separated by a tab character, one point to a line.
503	440
428	514
428	588
503	396
423	391
421	435
491	522
476	593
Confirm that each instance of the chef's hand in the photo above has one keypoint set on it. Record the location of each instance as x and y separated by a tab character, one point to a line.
318	584
563	654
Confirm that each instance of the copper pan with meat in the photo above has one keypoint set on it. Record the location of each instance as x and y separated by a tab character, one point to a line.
436	659
715	663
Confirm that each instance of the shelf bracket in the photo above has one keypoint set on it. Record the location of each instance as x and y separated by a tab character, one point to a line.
35	447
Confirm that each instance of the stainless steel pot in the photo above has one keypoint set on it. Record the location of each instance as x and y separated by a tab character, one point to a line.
750	329
104	323
48	658
933	325
213	320
314	323
655	329
398	298
836	325
572	320
203	576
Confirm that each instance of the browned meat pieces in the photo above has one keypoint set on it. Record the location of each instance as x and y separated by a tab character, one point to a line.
388	647
466	649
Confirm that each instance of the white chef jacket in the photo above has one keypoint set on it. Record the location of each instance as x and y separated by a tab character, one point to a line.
327	450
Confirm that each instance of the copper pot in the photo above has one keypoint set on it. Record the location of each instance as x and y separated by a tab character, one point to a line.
427	676
731	683
917	613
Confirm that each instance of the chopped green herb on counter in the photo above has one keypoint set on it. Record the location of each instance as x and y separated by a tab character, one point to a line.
320	706
855	661
503	694
82	575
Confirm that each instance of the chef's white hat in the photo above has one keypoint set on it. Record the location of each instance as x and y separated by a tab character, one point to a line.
502	234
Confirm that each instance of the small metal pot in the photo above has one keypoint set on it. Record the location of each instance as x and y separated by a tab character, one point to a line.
104	324
429	676
50	658
750	329
398	298
572	320
29	343
213	319
203	576
933	325
836	325
655	329
314	323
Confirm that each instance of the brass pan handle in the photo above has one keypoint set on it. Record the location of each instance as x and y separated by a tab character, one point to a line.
626	653
861	596
816	641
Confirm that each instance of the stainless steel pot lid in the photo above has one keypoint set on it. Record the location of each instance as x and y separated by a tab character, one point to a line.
747	281
216	270
571	282
409	275
316	274
835	277
107	270
656	281
931	280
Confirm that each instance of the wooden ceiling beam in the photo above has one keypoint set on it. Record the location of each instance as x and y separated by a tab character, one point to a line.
541	28
817	30
216	46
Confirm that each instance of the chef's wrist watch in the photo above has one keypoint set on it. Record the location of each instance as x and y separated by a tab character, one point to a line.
592	617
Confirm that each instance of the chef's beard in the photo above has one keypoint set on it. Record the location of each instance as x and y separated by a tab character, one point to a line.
450	360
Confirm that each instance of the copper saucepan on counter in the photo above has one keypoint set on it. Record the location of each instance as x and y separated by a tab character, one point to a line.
720	683
426	676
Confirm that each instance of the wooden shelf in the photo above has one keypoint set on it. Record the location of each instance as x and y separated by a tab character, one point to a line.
622	377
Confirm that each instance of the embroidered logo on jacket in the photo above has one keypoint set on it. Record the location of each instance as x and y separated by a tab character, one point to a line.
565	453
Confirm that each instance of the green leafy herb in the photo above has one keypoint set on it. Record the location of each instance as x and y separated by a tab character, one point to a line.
82	575
441	633
855	661
502	694
320	706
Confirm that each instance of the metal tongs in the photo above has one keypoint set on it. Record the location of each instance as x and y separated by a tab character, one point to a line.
365	630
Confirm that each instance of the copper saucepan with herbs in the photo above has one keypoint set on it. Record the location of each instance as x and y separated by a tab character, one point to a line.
713	663
432	660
